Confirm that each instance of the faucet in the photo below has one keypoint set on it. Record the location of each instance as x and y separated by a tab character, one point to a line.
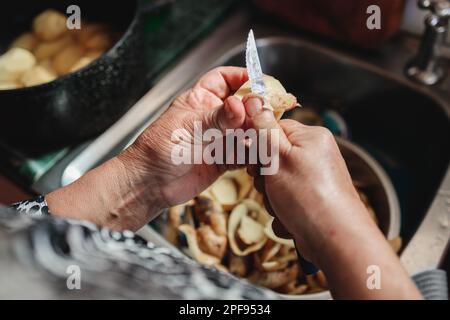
425	67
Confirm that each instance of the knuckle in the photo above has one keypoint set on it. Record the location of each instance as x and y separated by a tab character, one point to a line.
325	136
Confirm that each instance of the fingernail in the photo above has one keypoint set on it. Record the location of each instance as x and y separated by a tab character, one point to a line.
253	106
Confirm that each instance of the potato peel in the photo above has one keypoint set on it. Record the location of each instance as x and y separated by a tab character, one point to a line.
194	249
234	221
272	236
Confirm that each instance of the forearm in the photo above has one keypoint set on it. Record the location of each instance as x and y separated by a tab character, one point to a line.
109	196
356	256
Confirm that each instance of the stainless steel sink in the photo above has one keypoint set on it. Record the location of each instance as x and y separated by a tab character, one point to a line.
405	126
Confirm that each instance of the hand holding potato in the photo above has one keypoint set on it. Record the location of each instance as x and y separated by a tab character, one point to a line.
144	174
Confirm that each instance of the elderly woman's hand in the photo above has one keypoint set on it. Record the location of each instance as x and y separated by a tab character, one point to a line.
315	202
209	103
130	189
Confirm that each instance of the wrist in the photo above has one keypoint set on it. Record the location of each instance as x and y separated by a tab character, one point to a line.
324	231
111	195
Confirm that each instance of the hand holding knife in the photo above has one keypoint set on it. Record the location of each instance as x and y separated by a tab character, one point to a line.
258	87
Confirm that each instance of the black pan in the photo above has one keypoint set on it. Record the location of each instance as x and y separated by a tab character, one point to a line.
81	104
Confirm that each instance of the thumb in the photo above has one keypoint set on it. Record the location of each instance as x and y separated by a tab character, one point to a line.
230	115
262	118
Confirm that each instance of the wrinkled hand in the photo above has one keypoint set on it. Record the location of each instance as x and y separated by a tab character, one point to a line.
315	202
211	102
312	193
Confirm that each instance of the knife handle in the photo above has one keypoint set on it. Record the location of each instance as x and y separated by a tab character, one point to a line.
307	267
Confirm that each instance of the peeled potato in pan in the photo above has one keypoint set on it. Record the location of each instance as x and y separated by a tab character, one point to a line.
14	63
37	75
279	99
89	30
65	59
81	63
49	25
27	41
9	85
47	50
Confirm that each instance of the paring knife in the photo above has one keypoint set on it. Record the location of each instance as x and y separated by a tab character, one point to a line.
254	70
258	87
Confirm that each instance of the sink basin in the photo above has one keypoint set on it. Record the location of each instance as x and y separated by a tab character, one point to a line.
406	130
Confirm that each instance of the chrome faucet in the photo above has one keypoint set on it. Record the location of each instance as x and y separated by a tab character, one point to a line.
425	67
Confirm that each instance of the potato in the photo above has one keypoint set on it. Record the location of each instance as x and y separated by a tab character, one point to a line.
50	25
47	65
279	99
37	75
64	60
14	63
27	41
87	31
9	85
94	54
47	50
83	62
99	41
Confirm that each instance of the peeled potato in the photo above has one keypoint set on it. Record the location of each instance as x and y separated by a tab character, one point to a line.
9	85
99	41
14	63
49	25
27	41
94	54
88	30
279	99
46	50
80	64
64	60
47	65
37	75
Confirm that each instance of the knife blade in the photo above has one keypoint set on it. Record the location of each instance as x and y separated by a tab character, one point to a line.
258	87
254	69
